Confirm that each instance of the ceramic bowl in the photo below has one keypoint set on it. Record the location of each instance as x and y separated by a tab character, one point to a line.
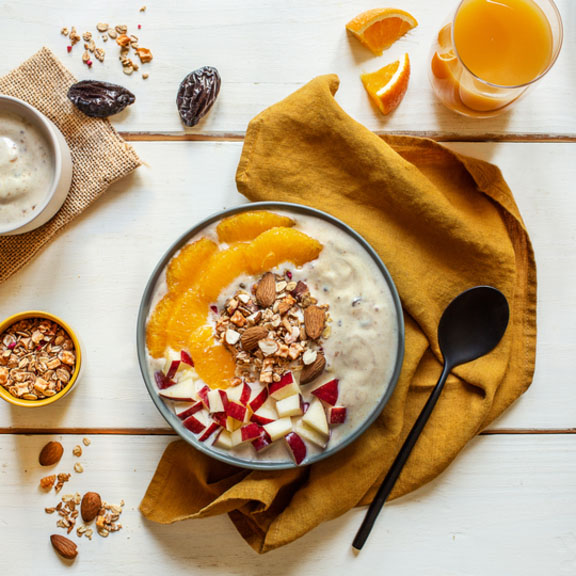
368	411
62	167
5	394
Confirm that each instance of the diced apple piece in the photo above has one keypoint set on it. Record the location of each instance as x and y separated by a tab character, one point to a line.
279	428
203	395
220	418
224	440
337	415
297	446
250	431
161	381
185	358
174	365
234	394
213	426
184	391
184	411
315	418
193	424
327	392
311	435
259	399
236	437
286	387
232	424
236	411
215	401
263	441
246	393
266	413
223	397
290	406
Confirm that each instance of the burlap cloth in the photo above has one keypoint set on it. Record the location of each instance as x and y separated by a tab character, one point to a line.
442	223
99	155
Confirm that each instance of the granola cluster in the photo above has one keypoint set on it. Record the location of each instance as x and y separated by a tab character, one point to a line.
268	329
119	34
68	510
37	358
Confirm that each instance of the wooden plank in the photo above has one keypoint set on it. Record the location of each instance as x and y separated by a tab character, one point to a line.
264	52
95	273
498	510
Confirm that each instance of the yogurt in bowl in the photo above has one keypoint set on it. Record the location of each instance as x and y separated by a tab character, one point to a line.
35	167
270	335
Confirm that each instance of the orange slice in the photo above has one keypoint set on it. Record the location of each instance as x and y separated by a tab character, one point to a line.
247	225
387	86
379	28
444	63
187	265
156	335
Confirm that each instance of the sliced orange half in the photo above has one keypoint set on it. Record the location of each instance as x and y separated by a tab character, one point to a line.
379	28
387	86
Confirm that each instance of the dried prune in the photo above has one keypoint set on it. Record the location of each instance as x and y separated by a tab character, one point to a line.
100	99
197	93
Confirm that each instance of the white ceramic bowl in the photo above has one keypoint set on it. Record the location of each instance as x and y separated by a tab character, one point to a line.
62	166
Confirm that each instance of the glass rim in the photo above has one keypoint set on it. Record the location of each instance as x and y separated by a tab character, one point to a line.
555	52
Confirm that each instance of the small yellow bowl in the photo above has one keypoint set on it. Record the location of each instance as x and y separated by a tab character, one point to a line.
5	324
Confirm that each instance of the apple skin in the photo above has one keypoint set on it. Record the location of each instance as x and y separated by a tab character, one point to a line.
246	393
236	411
297	446
191	410
259	419
162	381
327	392
286	387
250	431
259	400
174	365
185	358
209	431
337	415
203	395
263	441
193	424
219	418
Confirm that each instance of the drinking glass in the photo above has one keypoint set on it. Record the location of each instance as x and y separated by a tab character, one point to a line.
489	52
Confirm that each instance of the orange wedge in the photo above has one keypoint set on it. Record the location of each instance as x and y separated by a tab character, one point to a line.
379	28
387	86
247	225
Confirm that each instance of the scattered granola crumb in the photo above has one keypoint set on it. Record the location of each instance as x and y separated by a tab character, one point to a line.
145	76
77	451
143	9
63	477
78	468
47	482
86	441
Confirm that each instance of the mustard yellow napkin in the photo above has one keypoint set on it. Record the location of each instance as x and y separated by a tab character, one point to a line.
442	223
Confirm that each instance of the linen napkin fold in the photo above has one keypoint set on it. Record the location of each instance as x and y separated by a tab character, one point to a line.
99	155
442	223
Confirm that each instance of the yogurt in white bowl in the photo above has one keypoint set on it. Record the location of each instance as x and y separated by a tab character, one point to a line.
271	412
35	167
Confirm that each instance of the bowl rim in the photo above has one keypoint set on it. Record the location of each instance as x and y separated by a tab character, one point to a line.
40	120
145	306
7	322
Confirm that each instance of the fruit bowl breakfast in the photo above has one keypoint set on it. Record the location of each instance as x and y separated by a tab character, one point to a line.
270	335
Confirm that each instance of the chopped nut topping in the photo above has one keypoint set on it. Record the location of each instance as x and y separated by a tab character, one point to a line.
86	441
77	451
78	468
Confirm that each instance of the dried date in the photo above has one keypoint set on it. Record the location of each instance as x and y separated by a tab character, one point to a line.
197	93
100	99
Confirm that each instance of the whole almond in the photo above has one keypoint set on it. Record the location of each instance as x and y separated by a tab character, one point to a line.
65	547
51	454
251	336
266	290
90	506
314	319
312	371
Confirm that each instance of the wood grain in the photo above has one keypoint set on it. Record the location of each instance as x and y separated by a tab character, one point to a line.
266	50
498	509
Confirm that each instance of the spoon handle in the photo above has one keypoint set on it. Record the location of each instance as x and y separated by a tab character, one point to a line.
396	468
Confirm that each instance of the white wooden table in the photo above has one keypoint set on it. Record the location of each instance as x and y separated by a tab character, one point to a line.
507	506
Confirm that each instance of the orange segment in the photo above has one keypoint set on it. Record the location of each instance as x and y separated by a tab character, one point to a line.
247	225
189	311
213	363
281	245
379	28
186	266
156	335
387	86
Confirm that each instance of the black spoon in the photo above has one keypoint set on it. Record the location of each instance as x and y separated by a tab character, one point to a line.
471	326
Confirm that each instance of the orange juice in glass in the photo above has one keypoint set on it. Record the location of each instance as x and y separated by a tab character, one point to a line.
492	51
